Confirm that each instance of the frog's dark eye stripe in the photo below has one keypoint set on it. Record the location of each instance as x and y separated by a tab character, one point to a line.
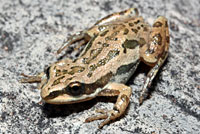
53	95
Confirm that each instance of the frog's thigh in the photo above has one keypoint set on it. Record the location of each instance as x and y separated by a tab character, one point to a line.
113	89
110	19
155	53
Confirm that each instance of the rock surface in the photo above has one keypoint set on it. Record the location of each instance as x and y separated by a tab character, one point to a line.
32	31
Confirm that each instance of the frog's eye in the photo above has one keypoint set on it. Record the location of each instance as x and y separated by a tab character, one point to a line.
75	89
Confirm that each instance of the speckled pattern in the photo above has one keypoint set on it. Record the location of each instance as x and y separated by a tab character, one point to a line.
31	32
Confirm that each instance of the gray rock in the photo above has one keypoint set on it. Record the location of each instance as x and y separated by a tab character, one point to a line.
32	31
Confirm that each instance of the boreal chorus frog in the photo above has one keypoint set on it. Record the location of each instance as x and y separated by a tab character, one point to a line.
114	47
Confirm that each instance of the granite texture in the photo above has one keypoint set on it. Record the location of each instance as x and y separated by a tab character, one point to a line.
31	32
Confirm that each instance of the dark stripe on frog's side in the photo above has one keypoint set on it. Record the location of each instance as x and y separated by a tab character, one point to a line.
125	72
100	83
111	54
76	69
88	46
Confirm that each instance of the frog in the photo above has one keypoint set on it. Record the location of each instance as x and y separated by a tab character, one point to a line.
113	48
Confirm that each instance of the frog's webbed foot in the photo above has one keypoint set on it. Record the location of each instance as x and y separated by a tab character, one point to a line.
155	53
113	89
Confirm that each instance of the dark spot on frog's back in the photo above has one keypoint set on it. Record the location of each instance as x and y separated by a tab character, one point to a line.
137	21
126	31
131	44
131	24
134	30
157	24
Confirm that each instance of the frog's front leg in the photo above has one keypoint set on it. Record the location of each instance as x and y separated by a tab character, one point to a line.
72	39
34	79
31	79
113	89
129	13
155	53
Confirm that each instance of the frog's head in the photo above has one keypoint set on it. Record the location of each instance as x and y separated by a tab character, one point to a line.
64	89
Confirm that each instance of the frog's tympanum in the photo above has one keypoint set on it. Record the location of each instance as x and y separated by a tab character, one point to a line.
114	47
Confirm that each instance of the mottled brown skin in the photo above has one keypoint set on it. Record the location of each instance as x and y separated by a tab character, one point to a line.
115	44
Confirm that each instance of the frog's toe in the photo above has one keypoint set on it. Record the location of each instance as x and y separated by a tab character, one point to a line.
96	117
107	115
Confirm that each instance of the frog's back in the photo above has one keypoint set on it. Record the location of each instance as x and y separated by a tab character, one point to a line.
114	51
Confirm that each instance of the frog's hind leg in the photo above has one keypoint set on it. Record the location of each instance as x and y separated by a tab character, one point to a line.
155	53
86	35
131	12
113	89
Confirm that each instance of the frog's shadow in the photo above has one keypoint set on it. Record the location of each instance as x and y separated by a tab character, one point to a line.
53	111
